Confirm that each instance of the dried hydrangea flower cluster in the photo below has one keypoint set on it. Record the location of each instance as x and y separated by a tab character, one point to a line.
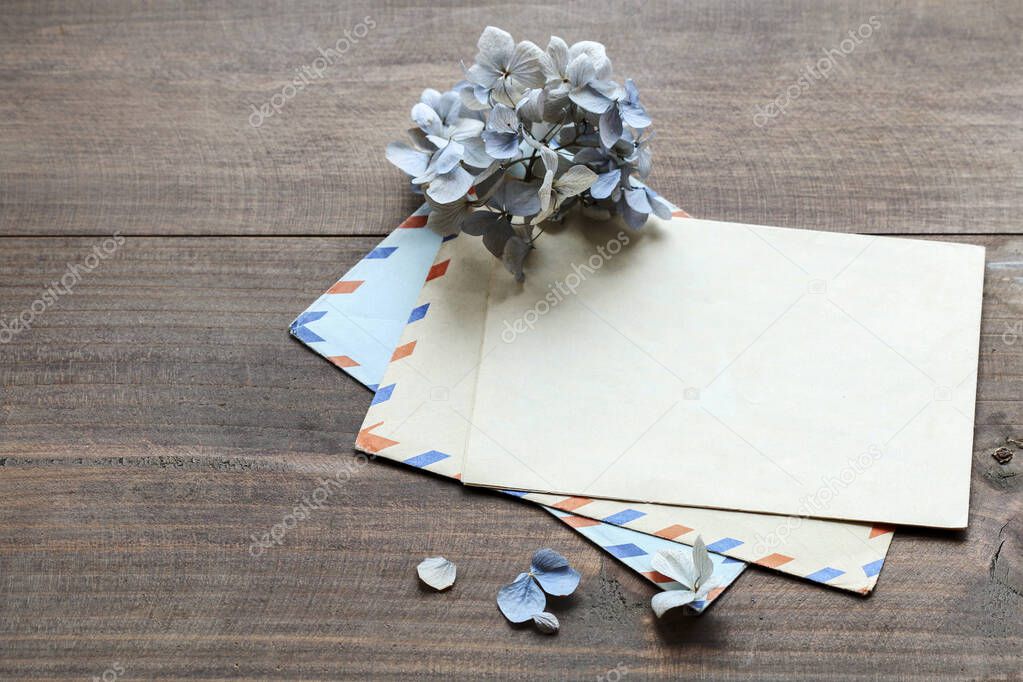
528	135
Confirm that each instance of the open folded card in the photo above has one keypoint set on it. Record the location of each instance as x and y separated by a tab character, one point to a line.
417	416
356	324
733	366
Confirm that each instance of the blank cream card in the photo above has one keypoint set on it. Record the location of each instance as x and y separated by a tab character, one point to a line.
734	366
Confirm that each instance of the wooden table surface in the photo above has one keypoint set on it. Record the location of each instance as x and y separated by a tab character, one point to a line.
158	416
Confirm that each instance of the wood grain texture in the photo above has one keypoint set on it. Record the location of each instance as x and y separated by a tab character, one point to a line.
157	417
135	115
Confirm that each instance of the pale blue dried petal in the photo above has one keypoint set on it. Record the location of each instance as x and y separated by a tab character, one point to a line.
427	119
518	198
581	71
605	184
449	107
702	562
704	591
504	92
475	153
556	62
553	573
484	75
438	141
501	145
632	111
447	158
437	572
503	119
547	623
530	107
631	91
637	199
661	208
608	88
430	97
451	186
634	115
603	68
671	599
521	600
473	96
676	564
610	127
407	158
632	217
526	65
495	47
464	128
641	157
555	102
592	49
502	133
590	100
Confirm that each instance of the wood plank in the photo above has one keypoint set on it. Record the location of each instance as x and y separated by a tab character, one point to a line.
130	116
158	416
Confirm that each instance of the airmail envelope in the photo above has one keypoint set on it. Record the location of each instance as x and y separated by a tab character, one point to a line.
420	417
357	323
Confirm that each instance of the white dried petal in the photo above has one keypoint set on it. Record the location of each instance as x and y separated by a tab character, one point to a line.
437	572
547	623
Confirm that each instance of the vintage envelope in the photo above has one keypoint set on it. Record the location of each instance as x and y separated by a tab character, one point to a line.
737	367
419	416
356	325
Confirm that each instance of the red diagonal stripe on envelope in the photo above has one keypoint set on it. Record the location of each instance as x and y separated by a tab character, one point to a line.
579	521
657	577
572	503
370	442
344	287
672	532
414	221
403	351
438	270
773	560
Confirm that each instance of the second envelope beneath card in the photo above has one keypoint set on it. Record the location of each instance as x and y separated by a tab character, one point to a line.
737	367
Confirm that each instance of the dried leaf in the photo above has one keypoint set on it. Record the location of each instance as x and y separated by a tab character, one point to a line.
437	572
